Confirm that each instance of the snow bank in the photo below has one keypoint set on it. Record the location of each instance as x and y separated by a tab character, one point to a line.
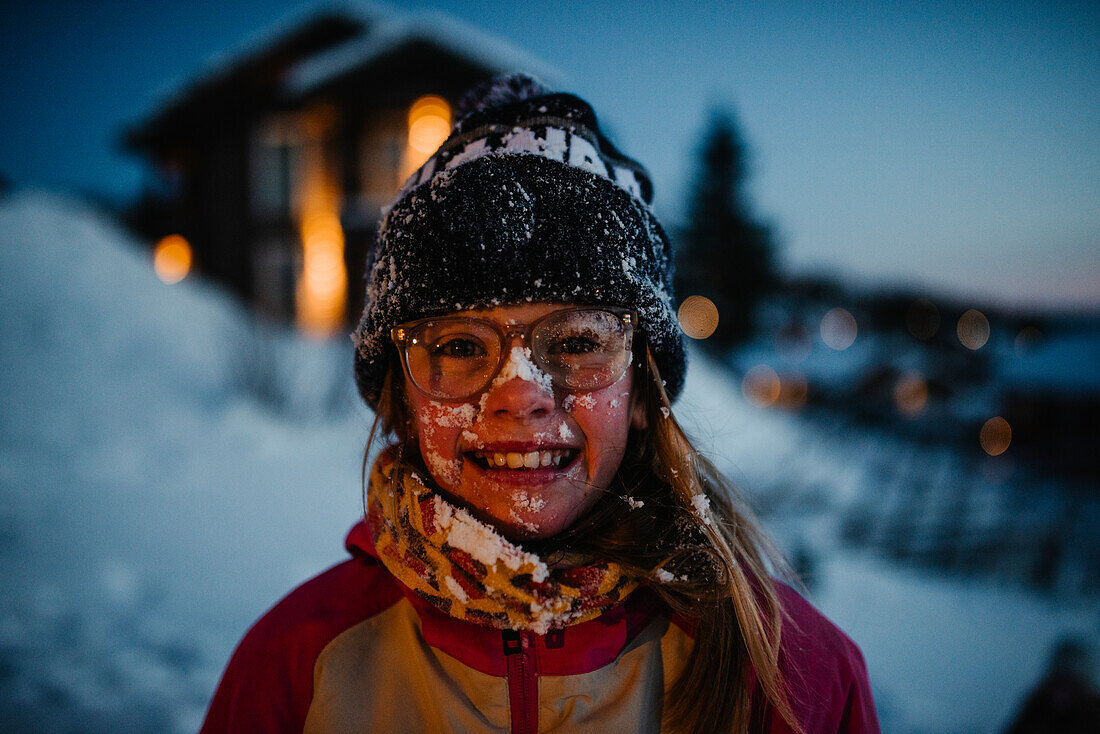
151	506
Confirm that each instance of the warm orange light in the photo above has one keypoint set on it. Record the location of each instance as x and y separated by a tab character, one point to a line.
838	329
911	394
973	329
995	436
698	317
761	386
793	391
429	126
172	258
922	319
321	294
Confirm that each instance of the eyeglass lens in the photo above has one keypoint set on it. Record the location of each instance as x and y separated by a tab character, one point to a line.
456	357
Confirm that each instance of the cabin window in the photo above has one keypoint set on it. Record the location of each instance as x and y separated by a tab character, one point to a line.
277	152
382	146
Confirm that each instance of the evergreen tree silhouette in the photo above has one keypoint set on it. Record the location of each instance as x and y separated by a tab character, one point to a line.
724	253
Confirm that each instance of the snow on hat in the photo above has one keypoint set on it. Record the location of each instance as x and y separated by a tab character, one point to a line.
525	201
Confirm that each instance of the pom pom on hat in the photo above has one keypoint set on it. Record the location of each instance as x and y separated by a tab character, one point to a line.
497	92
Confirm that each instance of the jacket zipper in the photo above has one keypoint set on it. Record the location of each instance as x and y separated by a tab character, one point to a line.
523	681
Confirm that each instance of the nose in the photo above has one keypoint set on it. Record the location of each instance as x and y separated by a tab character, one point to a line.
516	393
518	399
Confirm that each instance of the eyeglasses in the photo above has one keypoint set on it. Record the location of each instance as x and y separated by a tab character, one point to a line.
456	357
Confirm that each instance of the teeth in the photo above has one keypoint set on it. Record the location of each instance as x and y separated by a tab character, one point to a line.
529	460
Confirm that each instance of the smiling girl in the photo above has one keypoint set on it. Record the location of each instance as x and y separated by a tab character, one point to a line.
543	548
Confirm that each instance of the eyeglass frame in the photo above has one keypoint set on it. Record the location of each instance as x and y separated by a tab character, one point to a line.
399	335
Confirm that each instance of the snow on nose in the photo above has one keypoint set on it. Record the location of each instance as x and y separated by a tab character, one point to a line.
521	365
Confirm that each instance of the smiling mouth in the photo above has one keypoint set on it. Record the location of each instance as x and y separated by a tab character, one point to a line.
547	459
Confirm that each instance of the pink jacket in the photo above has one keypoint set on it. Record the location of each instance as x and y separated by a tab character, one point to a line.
352	650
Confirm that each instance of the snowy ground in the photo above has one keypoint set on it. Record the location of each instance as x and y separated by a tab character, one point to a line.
156	495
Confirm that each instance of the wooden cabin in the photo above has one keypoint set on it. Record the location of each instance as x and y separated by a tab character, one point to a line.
274	165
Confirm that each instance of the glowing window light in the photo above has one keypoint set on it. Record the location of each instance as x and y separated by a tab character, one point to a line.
995	436
922	319
321	292
838	329
322	289
429	125
698	317
172	258
911	394
761	386
973	329
323	265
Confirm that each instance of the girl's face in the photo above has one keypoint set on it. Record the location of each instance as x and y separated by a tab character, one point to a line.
525	457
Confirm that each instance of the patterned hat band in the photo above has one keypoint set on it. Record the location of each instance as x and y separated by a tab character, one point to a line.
556	138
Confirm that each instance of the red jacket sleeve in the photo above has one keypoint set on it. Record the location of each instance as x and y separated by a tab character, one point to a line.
268	685
825	674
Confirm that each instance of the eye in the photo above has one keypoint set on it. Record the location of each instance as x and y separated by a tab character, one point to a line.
459	348
574	345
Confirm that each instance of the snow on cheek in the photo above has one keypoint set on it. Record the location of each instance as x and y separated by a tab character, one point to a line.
437	416
573	401
450	416
446	471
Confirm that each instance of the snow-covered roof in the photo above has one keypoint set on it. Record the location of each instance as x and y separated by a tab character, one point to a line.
220	65
382	30
390	32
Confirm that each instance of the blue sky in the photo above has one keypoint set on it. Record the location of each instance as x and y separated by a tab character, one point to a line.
953	147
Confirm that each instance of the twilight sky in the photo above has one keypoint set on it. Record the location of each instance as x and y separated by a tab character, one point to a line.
953	147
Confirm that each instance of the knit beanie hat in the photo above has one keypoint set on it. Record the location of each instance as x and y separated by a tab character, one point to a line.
525	201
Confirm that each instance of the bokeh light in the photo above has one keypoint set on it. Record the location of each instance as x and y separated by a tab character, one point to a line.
922	319
838	329
321	293
973	329
429	124
995	436
172	258
698	317
761	386
911	394
794	390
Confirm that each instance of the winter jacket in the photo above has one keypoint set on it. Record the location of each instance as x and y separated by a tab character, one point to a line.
354	651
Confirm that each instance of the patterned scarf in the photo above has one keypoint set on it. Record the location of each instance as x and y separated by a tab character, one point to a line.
469	571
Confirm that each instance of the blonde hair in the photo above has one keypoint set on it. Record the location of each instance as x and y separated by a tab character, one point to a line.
708	560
